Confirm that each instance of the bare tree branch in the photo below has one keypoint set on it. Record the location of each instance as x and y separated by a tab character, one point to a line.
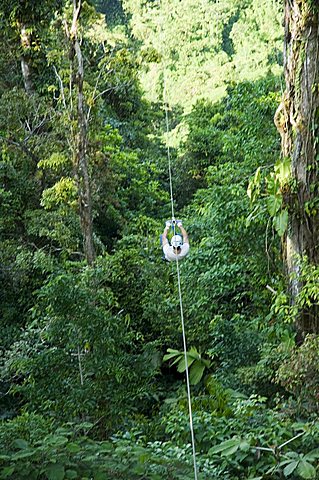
76	13
61	86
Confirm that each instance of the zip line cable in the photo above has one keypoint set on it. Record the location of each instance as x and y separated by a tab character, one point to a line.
181	307
191	426
167	146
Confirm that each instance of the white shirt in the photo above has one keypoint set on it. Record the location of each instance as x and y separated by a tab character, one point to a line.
171	256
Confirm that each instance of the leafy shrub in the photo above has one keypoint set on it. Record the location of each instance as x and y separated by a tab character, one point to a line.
67	453
299	374
241	440
77	359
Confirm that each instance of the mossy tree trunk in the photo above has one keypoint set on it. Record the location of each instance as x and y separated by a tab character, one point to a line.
80	140
300	135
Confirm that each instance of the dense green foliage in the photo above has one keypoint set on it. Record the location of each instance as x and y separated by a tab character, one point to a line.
92	370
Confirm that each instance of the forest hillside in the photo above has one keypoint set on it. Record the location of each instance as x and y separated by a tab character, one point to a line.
116	116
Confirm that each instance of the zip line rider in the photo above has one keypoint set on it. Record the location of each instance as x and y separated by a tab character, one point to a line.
179	247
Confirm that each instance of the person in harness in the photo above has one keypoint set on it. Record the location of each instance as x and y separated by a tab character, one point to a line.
179	247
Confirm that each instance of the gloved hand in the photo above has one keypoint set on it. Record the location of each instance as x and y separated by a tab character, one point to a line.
179	223
168	223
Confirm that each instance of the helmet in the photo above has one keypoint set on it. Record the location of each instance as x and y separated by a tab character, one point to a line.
176	241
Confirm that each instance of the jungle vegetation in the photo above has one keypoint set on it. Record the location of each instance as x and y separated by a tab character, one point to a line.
92	377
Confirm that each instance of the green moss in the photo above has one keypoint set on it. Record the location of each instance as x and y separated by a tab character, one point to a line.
299	68
313	6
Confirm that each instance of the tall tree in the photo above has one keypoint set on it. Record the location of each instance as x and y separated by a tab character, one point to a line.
23	25
297	120
81	139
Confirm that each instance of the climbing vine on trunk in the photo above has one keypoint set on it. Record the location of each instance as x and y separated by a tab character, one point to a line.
297	121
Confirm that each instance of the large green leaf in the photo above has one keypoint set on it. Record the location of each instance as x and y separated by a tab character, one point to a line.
230	450
172	353
193	353
306	469
281	222
313	455
273	186
55	471
283	170
196	372
274	203
290	467
23	454
56	440
253	189
195	362
181	365
73	447
226	448
21	443
72	474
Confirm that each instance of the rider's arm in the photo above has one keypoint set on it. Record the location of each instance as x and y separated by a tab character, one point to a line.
185	236
164	236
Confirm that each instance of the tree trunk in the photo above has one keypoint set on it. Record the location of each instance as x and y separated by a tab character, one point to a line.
80	151
25	59
299	119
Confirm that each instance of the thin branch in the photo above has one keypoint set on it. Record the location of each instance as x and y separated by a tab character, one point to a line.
93	96
264	449
34	130
271	289
110	89
102	93
61	86
28	125
275	449
76	13
94	425
291	440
